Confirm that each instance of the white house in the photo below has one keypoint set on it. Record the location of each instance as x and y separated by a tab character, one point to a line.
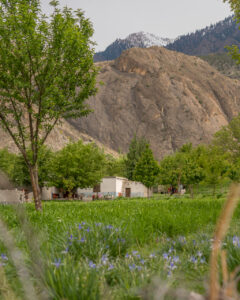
112	187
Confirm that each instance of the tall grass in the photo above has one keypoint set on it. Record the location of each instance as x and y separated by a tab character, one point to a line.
118	249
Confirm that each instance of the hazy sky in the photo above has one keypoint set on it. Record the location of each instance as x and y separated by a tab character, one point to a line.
166	18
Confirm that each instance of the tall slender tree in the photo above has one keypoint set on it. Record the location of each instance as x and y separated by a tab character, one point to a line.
46	74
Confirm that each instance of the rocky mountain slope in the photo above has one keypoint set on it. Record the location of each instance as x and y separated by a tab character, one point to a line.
211	39
139	40
224	63
166	96
60	137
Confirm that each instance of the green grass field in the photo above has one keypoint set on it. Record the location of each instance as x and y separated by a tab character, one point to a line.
121	249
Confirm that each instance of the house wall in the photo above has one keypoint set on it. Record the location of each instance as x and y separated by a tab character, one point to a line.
108	186
47	192
11	196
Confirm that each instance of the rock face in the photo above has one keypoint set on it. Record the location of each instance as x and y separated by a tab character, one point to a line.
168	97
60	137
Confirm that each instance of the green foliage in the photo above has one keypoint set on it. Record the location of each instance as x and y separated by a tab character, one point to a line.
77	165
115	166
215	166
160	234
228	139
20	175
147	169
7	162
46	74
136	148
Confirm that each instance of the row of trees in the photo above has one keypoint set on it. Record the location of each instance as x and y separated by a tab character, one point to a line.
83	165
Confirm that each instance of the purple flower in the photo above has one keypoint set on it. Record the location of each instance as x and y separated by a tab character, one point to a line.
92	265
175	259
82	240
165	256
109	227
65	251
104	259
88	229
134	252
139	268
202	260
110	267
4	257
152	255
193	259
142	261
127	255
98	224
132	267
199	254
80	226
57	263
236	241
172	266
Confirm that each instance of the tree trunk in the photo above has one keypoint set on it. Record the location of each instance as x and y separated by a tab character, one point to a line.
191	190
35	186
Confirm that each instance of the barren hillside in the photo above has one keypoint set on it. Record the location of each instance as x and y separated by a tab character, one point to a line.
168	97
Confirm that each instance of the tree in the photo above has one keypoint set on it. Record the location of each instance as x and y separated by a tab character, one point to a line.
77	165
136	148
170	171
147	169
20	175
193	165
215	167
115	166
46	74
227	139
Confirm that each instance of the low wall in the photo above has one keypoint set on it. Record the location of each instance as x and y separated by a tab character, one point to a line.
11	196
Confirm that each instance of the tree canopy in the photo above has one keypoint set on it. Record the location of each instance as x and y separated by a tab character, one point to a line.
77	165
46	74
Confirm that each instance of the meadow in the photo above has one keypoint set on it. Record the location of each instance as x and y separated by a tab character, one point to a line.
120	249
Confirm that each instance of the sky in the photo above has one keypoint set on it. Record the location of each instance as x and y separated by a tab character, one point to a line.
114	19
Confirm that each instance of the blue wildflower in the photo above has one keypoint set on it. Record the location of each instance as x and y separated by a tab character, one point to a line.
199	254
142	261
139	268
92	265
57	263
110	267
4	257
152	255
172	266
193	259
165	256
127	255
82	240
202	260
132	267
175	259
65	251
236	241
134	252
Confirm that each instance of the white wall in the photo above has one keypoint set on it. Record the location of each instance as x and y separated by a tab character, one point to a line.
11	196
108	186
48	191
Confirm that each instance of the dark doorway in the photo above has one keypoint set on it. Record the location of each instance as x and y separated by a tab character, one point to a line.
96	188
128	192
